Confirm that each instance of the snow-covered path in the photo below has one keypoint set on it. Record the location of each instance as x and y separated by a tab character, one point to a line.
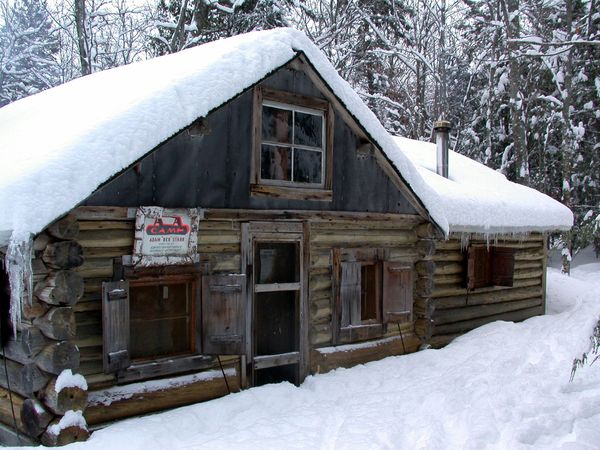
503	386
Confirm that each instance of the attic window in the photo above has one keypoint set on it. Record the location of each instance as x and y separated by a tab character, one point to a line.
292	146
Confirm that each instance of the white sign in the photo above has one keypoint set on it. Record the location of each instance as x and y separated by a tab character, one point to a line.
165	236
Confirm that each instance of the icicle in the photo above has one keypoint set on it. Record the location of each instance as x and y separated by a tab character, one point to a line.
18	265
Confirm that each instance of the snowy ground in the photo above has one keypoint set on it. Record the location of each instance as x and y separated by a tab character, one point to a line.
502	386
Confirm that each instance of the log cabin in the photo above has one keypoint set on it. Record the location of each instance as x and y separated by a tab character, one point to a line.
230	216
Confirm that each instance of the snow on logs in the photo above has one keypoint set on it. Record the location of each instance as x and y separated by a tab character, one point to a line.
66	430
47	397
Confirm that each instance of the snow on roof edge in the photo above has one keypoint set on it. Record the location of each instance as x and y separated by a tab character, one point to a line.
478	199
256	54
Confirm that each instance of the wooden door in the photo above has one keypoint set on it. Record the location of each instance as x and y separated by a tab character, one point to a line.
278	318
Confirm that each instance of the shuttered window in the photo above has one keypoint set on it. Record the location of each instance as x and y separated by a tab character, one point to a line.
156	321
371	293
492	266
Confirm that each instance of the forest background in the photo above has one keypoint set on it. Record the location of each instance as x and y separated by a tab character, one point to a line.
518	79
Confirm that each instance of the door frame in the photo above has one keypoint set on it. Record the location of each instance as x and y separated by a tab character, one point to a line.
277	231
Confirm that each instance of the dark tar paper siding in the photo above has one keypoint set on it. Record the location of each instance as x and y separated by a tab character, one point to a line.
213	170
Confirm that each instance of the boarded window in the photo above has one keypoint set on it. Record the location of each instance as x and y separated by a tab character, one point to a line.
397	292
503	266
223	314
490	267
478	270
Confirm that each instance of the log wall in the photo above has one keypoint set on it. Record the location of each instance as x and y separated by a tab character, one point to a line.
44	345
457	311
107	233
400	241
63	326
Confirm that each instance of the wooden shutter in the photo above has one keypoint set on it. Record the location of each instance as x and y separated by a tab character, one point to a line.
503	266
223	314
350	293
397	292
115	325
478	267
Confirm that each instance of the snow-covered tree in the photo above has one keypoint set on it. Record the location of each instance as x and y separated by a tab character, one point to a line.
28	49
181	24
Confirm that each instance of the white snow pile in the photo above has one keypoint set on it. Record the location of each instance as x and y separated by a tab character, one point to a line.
476	198
70	419
59	145
67	379
502	386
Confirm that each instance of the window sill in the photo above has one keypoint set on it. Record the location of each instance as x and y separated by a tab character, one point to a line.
356	333
293	193
165	366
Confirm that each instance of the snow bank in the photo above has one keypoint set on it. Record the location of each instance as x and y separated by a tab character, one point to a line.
501	386
58	146
475	198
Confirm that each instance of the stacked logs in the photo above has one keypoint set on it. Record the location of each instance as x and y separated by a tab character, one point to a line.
43	346
425	268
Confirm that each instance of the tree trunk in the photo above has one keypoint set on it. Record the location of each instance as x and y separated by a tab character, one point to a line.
568	141
82	37
510	13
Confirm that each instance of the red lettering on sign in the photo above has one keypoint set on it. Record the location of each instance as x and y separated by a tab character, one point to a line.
159	227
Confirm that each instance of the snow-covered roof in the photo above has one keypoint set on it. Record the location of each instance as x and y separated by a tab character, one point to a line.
59	145
475	198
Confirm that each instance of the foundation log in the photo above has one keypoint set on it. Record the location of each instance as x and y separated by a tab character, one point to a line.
69	398
56	437
35	417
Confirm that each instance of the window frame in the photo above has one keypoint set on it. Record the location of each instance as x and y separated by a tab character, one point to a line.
194	316
116	322
489	266
290	189
368	328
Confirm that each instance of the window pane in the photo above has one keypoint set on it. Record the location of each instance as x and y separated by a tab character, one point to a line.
368	292
277	263
308	129
160	316
307	166
276	125
275	163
